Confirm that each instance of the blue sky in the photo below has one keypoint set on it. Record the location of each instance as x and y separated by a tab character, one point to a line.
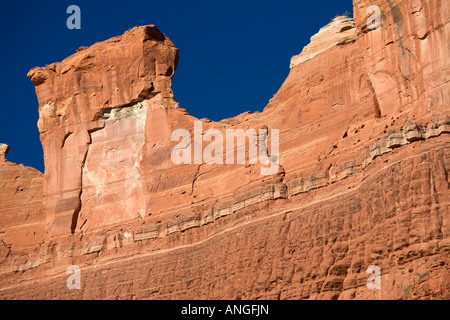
234	55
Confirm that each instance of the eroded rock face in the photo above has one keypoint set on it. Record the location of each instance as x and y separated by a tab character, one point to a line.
363	178
407	58
4	148
82	98
22	216
340	31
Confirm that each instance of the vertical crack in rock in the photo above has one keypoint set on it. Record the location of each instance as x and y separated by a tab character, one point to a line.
66	136
198	175
375	99
446	174
77	209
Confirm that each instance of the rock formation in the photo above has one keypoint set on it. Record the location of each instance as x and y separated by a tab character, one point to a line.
364	156
22	222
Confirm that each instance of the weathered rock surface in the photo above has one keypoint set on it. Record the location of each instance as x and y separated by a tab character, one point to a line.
81	99
363	180
22	222
340	31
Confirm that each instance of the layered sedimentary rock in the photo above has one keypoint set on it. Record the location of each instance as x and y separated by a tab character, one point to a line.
22	223
81	100
364	155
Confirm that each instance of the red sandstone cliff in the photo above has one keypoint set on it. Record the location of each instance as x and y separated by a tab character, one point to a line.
363	180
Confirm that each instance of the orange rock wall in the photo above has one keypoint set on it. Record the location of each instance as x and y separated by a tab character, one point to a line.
364	157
